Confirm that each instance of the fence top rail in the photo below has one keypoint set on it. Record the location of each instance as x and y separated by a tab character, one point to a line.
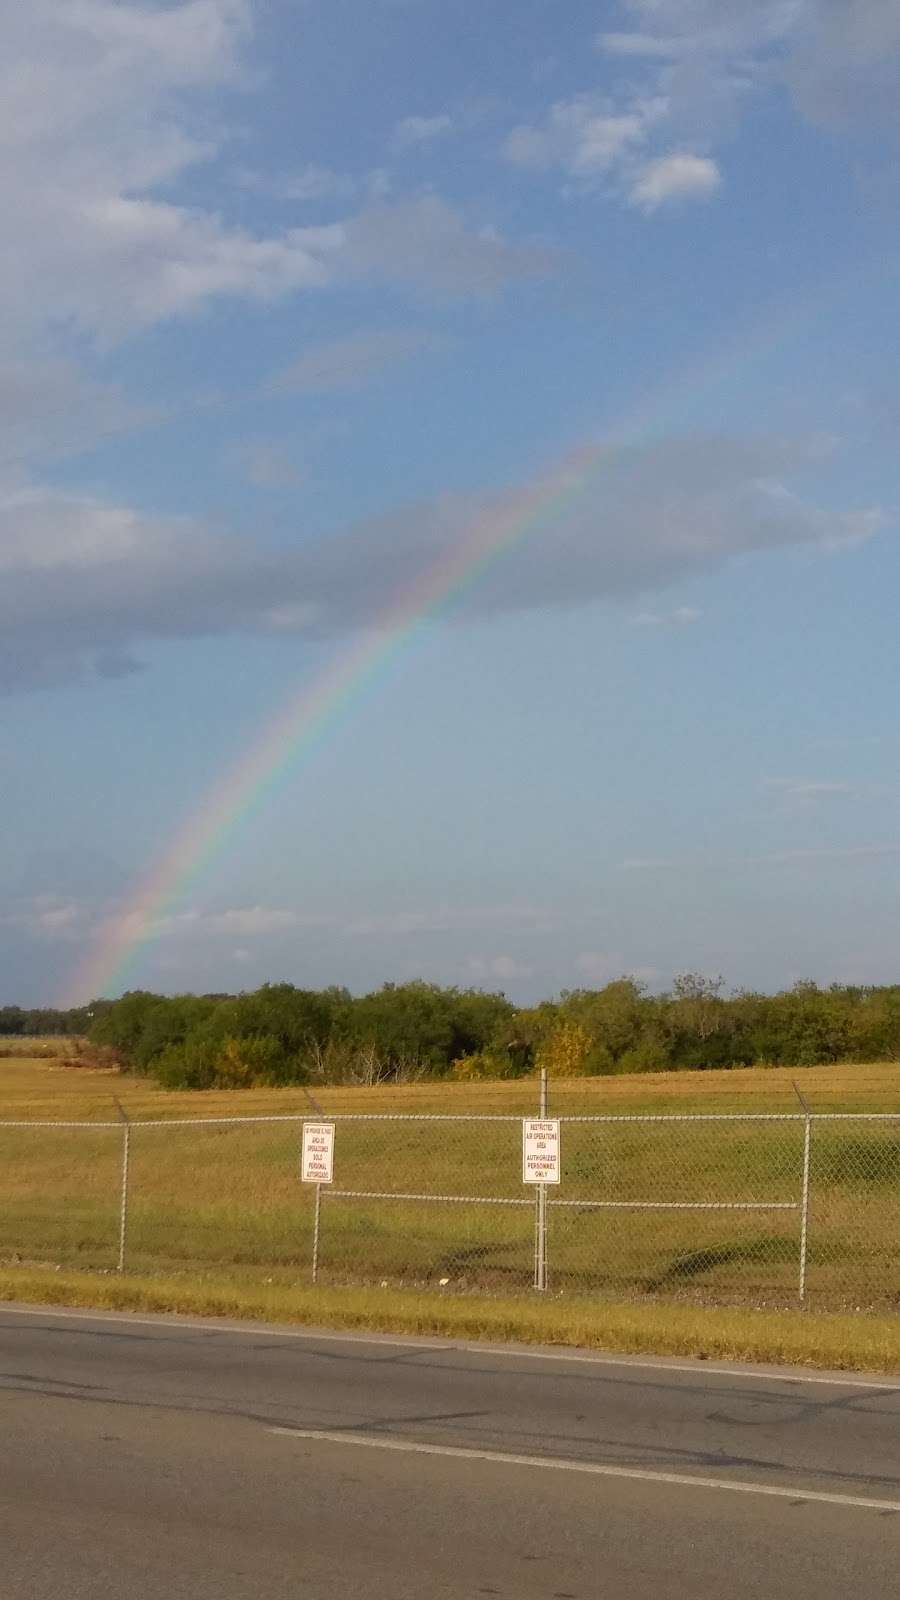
327	1116
687	1116
855	1116
676	1205
297	1117
286	1117
446	1199
47	1123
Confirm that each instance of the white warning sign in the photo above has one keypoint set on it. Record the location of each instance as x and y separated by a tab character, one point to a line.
540	1150
317	1159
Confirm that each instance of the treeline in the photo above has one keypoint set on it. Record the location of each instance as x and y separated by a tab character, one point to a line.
281	1035
16	1021
403	1032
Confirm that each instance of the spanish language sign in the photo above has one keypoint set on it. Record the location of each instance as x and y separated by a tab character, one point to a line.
540	1151
317	1161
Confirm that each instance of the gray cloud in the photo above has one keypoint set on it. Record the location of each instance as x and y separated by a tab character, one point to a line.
48	407
428	246
716	51
354	361
678	617
104	110
84	583
846	63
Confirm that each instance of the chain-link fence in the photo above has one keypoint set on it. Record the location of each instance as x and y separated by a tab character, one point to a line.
749	1208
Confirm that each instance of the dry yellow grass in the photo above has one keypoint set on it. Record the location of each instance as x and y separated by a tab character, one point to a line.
219	1223
39	1088
843	1343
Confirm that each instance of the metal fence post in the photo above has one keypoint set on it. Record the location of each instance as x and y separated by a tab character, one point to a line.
804	1193
804	1208
123	1197
316	1226
540	1227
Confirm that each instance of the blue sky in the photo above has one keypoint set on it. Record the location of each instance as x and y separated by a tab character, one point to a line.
296	292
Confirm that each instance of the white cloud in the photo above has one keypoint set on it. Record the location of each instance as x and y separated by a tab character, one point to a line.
679	176
57	918
273	462
419	130
503	967
600	967
685	70
695	861
354	361
309	183
51	916
270	463
101	105
659	863
237	922
188	43
246	922
806	788
105	109
508	967
84	581
679	617
45	917
451	919
586	136
851	853
596	139
672	30
643	45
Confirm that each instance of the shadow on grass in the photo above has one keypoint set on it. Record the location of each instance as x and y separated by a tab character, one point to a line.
760	1251
859	1161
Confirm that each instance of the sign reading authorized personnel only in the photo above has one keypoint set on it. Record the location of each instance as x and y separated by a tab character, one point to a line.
317	1160
540	1150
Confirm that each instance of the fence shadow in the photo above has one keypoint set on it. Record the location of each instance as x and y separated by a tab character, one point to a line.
764	1248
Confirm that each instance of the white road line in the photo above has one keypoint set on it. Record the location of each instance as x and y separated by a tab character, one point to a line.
592	1468
696	1369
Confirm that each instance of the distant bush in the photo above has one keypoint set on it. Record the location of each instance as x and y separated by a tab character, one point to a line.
42	1021
280	1034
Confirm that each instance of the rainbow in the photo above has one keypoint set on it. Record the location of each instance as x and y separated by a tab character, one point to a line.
299	726
309	715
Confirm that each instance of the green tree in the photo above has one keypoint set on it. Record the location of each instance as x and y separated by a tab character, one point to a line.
122	1025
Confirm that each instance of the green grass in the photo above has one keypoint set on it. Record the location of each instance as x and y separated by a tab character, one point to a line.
227	1199
840	1342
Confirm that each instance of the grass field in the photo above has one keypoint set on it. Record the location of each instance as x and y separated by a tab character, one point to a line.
227	1199
33	1085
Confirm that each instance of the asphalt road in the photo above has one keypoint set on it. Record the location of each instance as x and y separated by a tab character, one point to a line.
160	1458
